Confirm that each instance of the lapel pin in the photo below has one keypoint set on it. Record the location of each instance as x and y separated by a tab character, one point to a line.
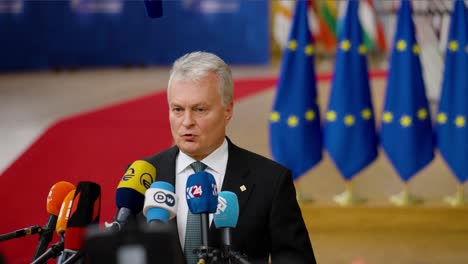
243	188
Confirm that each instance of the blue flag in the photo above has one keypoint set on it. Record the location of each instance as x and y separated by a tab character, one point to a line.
295	135
350	136
406	130
452	131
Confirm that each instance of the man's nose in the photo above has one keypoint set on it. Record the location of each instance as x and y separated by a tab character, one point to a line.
188	118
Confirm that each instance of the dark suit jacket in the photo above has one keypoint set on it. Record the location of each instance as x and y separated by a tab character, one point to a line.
270	220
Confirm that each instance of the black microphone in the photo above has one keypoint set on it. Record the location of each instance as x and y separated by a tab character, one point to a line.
85	211
55	198
154	8
130	194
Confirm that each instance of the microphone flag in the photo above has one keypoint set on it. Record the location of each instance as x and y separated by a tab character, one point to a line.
406	129
295	133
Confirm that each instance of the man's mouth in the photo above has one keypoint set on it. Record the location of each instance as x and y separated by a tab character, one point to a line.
188	137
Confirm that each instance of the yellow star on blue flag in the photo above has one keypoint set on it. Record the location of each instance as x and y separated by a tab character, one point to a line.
406	131
452	133
349	134
295	133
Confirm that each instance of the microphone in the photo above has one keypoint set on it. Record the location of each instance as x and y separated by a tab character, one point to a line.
202	198
84	211
154	8
130	194
55	198
60	228
64	215
160	203
225	218
62	220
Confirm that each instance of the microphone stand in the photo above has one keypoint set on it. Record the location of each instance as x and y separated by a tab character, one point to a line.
236	257
53	252
21	233
227	253
77	256
206	254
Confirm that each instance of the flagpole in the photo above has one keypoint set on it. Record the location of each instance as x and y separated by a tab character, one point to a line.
405	198
300	196
458	199
348	197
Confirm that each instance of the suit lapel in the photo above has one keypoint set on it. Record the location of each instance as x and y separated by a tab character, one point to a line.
165	170
236	179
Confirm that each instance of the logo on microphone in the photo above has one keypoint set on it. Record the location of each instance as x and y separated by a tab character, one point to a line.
222	204
129	174
162	197
215	189
194	191
146	179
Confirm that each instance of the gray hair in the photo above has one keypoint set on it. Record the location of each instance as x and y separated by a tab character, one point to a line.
196	65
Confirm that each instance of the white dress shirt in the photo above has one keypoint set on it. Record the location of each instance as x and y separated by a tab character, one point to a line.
216	162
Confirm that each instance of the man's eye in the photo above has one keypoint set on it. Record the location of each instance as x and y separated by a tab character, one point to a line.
177	109
200	110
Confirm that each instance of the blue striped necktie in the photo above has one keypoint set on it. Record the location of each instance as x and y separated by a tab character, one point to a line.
193	226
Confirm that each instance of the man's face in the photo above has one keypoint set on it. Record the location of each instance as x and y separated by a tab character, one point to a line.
197	115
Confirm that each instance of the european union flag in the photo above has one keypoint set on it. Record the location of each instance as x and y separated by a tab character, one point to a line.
350	136
295	135
406	130
452	131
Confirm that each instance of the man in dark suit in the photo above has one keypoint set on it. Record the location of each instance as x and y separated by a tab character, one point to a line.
270	225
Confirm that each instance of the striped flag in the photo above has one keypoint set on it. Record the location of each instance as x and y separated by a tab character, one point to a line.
374	35
324	36
327	13
373	31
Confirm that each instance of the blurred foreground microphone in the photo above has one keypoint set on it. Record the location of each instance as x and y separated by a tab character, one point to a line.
130	194
202	198
55	198
85	210
154	8
160	203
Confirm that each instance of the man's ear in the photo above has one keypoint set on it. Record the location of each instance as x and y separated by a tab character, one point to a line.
229	111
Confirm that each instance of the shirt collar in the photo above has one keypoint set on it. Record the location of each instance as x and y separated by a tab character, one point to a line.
214	161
